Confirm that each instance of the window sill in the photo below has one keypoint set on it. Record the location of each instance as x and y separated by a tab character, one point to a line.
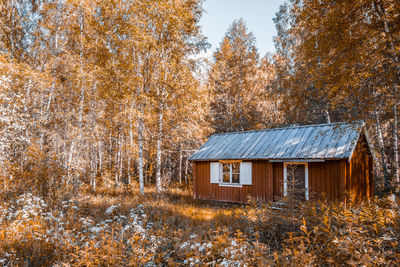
230	185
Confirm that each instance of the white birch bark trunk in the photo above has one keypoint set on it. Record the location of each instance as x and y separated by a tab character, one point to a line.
180	165
240	112
395	145
129	168
380	9
82	96
159	149
71	151
131	143
100	158
328	117
382	152
117	161
110	151
186	172
121	159
93	169
140	158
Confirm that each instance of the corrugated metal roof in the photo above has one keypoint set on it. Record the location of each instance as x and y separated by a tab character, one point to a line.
308	142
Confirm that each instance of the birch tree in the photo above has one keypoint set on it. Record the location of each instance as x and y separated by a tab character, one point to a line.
343	56
89	87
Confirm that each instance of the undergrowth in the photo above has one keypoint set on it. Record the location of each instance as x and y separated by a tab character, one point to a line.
124	228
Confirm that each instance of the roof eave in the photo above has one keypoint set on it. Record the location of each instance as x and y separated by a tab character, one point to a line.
275	159
364	131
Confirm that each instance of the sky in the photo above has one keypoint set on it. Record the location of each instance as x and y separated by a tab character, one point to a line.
257	14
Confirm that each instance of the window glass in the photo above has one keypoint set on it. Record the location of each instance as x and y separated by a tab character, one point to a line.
231	173
235	178
236	167
226	177
235	173
225	168
226	173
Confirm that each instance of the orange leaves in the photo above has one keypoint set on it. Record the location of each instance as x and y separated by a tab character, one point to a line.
167	230
336	49
238	82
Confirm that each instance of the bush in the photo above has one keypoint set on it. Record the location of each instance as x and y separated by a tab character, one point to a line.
176	230
334	234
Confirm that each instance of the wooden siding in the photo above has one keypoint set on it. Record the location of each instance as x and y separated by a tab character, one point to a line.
261	188
327	179
360	175
324	178
331	178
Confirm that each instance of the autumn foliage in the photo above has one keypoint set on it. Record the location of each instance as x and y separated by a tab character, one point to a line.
132	230
102	102
339	61
99	93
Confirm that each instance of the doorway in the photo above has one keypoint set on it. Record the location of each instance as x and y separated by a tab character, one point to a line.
295	180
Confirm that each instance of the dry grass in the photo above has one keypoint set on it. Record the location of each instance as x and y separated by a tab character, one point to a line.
124	228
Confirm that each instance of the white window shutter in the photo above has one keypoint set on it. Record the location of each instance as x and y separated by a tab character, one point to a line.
214	172
245	173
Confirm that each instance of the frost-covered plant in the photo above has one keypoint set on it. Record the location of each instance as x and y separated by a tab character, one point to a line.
172	230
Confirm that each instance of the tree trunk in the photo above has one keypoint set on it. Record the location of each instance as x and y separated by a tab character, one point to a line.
82	96
186	171
121	159
230	115
129	168
117	160
140	158
395	145
380	10
240	112
71	151
93	170
131	146
180	164
110	151
159	152
100	159
382	152
327	116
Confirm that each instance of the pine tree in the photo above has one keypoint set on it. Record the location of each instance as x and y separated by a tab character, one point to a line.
232	80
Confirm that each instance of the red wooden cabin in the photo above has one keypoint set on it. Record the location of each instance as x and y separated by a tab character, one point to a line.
334	159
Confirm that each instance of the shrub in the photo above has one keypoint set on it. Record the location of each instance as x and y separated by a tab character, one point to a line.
110	230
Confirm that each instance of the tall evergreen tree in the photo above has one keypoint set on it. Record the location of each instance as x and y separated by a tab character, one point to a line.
232	80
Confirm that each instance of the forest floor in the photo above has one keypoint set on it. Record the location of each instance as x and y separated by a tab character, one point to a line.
124	228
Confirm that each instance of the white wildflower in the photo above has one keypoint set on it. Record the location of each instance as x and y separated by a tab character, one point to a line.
193	236
96	229
184	245
112	208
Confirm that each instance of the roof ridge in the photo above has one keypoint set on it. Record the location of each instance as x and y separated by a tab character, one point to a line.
291	127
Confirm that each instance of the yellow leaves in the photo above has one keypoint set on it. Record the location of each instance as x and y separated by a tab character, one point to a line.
339	49
237	80
172	233
303	228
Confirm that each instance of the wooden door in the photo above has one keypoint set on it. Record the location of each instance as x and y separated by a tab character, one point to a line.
296	181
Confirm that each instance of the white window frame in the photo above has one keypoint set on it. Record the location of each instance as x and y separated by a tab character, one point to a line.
305	177
222	183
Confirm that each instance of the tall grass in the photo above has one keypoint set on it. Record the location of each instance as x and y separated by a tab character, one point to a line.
124	228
